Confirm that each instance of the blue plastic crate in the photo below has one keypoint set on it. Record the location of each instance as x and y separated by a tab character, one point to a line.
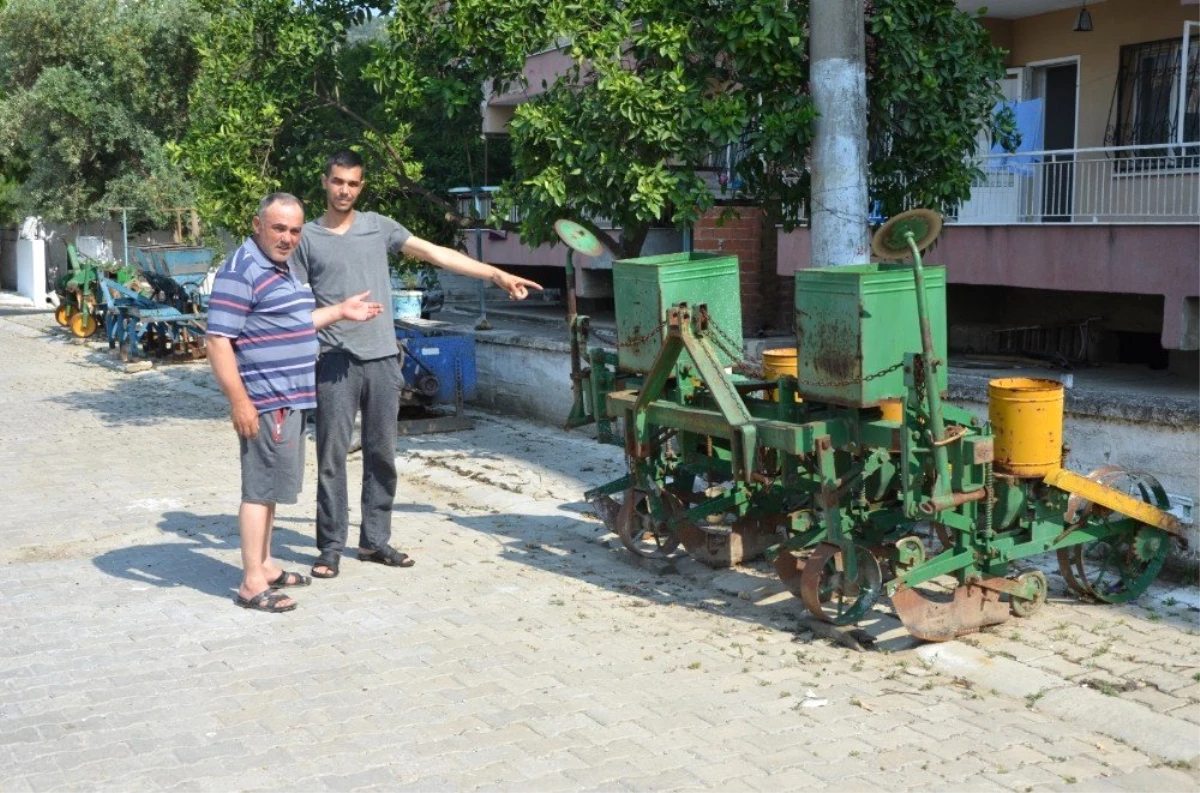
445	354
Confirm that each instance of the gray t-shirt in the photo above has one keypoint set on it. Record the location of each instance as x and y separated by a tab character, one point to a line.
337	266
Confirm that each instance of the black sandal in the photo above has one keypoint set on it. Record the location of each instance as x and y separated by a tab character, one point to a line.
387	555
328	560
268	600
288	578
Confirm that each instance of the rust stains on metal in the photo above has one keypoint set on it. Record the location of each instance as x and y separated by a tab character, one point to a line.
832	358
940	617
747	539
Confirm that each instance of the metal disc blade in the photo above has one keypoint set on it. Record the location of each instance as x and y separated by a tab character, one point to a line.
640	532
890	243
790	568
578	238
830	594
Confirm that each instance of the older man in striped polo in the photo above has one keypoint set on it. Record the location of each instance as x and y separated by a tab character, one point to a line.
262	344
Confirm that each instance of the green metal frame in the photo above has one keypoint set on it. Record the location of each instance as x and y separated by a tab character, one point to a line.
841	475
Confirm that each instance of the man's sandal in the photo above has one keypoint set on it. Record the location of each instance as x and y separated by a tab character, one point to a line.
387	555
287	578
329	561
268	600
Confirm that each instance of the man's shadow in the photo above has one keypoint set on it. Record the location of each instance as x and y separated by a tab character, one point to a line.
192	563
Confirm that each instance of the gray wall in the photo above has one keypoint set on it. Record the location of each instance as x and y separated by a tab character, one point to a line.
524	375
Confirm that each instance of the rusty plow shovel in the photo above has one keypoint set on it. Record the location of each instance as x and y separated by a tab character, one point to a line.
941	616
606	508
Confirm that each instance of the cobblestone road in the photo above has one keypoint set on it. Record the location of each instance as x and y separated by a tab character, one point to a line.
525	651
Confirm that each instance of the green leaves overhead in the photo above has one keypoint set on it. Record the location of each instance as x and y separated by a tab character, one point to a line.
283	84
644	98
634	112
89	90
932	85
261	62
621	122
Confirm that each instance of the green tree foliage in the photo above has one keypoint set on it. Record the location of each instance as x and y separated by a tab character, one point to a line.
662	103
9	204
89	90
659	90
932	76
260	60
283	84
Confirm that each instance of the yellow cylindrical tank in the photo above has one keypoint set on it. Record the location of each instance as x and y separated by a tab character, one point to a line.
1027	419
777	363
893	410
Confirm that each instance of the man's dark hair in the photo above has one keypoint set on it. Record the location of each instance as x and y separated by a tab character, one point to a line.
343	158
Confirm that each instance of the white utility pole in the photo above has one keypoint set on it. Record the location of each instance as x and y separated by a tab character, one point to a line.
838	76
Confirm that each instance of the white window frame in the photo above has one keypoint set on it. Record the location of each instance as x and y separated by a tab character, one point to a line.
1181	94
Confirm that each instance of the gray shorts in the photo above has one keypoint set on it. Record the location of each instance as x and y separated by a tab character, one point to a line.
273	460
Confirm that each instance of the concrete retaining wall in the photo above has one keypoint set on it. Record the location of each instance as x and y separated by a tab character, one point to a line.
524	375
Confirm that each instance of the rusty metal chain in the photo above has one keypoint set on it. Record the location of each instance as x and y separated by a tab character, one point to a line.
841	383
727	345
724	340
636	341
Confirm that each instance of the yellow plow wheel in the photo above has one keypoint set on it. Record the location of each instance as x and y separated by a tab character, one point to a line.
83	325
62	314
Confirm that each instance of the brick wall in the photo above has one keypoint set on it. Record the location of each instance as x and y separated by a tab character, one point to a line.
766	296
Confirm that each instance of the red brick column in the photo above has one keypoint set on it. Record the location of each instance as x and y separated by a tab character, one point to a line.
741	236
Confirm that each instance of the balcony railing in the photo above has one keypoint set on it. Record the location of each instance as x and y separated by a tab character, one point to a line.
478	202
1116	184
1119	184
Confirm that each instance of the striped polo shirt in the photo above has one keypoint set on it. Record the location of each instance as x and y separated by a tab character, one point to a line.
269	316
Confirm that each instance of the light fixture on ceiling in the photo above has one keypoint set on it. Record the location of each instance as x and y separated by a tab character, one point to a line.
1083	22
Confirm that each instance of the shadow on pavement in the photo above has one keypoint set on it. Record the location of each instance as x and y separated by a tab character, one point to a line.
188	563
564	465
136	401
575	549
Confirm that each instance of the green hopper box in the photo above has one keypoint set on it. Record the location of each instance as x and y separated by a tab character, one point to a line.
646	287
857	320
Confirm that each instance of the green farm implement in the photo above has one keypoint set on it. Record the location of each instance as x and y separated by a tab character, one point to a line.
852	474
81	302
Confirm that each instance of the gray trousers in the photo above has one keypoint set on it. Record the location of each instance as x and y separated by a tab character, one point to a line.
345	386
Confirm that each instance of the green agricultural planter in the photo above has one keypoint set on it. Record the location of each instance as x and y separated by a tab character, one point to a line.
80	301
852	476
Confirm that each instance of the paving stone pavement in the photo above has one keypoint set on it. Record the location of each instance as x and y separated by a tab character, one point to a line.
526	651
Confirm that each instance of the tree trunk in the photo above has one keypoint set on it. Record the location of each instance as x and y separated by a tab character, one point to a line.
632	238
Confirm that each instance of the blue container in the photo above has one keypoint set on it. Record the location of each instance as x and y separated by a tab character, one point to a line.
447	355
184	261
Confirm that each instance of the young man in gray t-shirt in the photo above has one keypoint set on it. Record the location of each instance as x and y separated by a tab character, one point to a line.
344	253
